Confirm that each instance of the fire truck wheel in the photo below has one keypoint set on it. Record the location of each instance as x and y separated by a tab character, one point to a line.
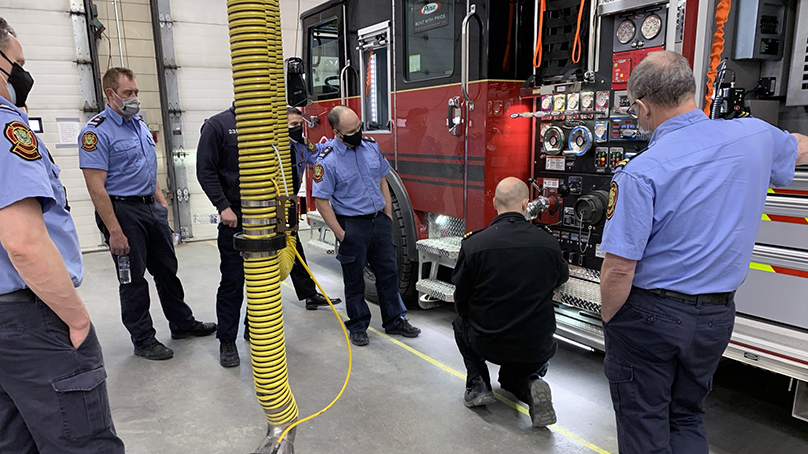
407	266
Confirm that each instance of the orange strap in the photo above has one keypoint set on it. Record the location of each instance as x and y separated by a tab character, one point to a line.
369	74
537	53
576	44
721	14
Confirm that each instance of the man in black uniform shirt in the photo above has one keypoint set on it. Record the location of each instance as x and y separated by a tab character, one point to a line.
504	278
217	172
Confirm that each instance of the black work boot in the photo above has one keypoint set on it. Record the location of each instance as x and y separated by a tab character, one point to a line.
199	329
313	302
360	339
404	328
540	403
228	353
478	393
156	351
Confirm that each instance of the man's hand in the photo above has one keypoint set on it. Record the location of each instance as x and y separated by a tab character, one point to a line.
340	235
229	218
118	244
616	276
78	335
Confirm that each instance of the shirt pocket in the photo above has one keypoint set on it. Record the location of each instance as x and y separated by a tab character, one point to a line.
56	185
349	183
125	152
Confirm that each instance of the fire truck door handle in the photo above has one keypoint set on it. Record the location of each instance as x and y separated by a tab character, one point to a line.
343	87
464	57
453	116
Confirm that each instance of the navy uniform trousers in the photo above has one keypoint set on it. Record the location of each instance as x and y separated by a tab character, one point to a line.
53	397
230	295
368	241
151	249
661	354
513	377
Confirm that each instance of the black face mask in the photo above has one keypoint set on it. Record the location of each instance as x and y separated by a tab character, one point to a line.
354	139
20	82
296	133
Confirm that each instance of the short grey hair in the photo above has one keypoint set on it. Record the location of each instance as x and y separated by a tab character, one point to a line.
664	78
5	32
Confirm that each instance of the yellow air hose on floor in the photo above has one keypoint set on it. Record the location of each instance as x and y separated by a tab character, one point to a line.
267	245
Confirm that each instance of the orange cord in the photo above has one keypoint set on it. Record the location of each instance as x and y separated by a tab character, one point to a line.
576	44
506	60
721	15
369	74
538	52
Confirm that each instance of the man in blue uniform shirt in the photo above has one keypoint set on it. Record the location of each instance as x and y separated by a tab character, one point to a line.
352	196
218	174
53	394
682	221
119	162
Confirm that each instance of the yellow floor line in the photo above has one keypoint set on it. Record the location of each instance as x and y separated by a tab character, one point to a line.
518	407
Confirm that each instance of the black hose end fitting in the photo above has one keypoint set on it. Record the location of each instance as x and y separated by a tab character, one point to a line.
272	245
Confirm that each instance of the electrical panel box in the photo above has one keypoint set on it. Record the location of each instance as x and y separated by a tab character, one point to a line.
763	23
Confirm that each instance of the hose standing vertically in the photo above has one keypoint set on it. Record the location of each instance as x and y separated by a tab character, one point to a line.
265	176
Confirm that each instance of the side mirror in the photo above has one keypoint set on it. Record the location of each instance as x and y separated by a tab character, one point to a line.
296	94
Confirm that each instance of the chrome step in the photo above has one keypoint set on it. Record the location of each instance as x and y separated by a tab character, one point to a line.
437	289
448	247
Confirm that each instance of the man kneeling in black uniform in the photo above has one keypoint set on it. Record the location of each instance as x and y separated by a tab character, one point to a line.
504	278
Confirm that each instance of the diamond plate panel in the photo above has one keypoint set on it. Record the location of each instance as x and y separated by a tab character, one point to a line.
436	289
585	274
441	247
442	226
581	294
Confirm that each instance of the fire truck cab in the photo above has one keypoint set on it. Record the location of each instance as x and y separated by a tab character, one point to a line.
461	94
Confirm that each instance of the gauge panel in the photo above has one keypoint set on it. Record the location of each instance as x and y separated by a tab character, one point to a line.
625	31
651	26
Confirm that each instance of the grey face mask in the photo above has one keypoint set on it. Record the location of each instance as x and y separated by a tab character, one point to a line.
129	106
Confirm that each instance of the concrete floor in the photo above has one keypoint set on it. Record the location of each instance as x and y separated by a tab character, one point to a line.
404	396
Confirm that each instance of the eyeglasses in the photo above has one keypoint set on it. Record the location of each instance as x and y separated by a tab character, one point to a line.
631	112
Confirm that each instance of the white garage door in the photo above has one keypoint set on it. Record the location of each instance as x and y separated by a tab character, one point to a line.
45	30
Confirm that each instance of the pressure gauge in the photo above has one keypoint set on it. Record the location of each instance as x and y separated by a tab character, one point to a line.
601	129
547	103
651	26
572	101
602	100
587	100
580	140
553	140
559	102
625	31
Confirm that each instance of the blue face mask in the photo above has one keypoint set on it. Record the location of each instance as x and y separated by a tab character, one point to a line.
646	132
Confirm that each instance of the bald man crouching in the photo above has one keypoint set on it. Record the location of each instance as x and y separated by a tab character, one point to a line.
504	278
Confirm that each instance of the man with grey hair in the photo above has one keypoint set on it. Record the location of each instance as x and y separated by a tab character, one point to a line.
504	281
53	393
681	224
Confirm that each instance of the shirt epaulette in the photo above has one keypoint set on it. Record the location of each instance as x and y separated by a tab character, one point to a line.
470	234
97	121
369	139
623	163
325	152
3	106
547	229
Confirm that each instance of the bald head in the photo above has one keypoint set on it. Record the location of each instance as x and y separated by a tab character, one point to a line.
663	78
511	195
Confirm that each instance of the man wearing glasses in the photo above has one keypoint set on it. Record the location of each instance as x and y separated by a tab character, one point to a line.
352	196
681	224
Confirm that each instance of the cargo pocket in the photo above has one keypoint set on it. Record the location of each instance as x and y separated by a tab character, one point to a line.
83	403
621	384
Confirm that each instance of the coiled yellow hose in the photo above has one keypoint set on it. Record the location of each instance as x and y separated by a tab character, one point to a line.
265	175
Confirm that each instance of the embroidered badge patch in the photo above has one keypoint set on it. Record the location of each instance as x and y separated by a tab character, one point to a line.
318	173
89	141
310	145
23	141
612	200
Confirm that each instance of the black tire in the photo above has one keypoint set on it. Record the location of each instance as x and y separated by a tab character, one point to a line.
407	266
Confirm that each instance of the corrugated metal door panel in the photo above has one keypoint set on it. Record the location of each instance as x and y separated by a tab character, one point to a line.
205	82
45	30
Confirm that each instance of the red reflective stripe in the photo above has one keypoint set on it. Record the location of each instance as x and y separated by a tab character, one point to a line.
768	352
790	272
789	191
788	219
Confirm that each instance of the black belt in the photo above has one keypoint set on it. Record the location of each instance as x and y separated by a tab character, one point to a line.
19	296
148	199
366	216
717	299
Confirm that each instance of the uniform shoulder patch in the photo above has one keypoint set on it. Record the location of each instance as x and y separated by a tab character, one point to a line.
325	152
369	139
89	141
310	145
23	141
613	189
547	229
318	173
472	233
97	120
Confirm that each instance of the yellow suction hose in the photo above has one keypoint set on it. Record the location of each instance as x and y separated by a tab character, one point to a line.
255	44
265	169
